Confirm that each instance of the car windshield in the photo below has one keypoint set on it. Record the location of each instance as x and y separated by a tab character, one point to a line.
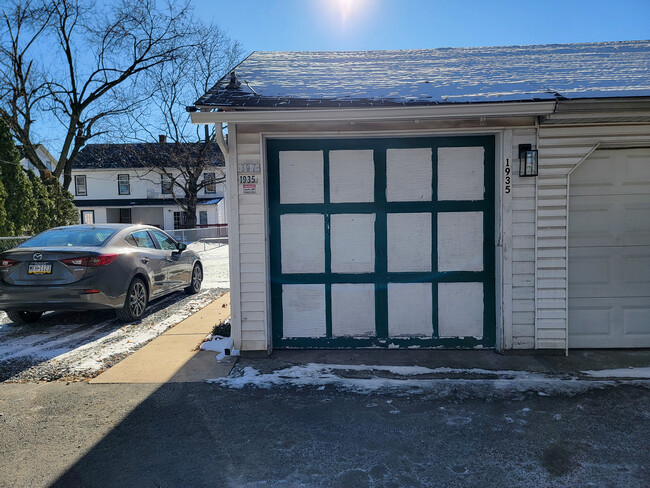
70	237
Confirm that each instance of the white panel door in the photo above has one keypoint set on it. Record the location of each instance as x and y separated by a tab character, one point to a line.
609	250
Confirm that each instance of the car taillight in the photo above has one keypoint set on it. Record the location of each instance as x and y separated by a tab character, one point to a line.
7	263
91	261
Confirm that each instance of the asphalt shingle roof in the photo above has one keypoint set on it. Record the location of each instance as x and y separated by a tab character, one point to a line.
436	76
141	155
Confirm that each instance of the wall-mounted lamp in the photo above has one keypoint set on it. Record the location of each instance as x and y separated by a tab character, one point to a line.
527	160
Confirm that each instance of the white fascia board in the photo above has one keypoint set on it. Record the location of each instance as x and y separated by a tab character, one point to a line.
382	113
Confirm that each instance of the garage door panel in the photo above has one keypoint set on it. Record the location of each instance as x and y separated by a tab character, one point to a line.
409	242
613	172
623	321
408	175
303	308
303	249
352	243
598	316
461	173
609	250
460	309
352	176
589	267
353	310
635	267
301	176
636	319
409	310
460	241
610	220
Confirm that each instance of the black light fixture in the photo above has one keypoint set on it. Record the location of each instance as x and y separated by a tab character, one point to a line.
527	160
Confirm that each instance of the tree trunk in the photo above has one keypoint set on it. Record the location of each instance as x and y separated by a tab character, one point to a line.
190	212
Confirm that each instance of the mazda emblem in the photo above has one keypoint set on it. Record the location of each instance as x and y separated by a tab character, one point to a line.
37	256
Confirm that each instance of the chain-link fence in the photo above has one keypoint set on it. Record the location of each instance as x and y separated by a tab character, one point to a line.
203	238
9	242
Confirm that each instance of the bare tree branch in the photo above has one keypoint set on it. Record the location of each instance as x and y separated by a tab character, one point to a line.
101	52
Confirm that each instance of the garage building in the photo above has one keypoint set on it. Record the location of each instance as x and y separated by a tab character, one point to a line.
379	199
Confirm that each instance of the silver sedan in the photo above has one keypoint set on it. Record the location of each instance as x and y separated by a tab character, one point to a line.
90	267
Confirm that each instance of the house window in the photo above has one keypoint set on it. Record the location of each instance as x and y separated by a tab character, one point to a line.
203	217
87	216
123	185
166	184
210	182
80	185
125	216
179	220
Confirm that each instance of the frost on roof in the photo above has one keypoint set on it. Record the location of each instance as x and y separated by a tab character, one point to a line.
486	74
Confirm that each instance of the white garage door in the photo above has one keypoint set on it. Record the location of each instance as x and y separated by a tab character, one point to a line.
382	242
609	250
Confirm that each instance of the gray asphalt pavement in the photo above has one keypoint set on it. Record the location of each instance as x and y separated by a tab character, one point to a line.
205	435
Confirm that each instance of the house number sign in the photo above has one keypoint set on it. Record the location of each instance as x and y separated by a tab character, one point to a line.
244	179
507	177
248	175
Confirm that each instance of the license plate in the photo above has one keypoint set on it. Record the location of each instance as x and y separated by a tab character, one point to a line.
40	268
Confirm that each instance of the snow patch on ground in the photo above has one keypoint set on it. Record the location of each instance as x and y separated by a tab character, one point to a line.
409	378
643	373
216	271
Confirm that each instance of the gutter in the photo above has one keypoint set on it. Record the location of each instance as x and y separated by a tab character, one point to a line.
448	111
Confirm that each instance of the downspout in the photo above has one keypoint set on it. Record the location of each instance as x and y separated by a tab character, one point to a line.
223	145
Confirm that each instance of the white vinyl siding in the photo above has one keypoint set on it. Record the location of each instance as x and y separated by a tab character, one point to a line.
523	247
252	249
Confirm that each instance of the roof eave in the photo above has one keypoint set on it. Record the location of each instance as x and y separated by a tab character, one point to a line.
441	111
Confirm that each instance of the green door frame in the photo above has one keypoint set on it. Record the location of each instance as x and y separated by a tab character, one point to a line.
381	277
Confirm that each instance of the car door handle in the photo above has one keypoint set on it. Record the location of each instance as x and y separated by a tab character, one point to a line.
144	260
169	260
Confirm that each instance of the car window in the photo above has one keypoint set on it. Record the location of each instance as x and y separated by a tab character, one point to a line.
70	237
165	242
141	239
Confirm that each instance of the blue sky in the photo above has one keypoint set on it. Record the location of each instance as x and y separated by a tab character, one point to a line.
324	25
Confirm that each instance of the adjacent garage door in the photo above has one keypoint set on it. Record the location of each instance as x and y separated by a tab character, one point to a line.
609	250
382	242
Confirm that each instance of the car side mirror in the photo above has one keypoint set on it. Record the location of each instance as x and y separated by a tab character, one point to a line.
181	246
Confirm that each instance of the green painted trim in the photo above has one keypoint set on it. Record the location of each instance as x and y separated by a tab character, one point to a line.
328	244
381	277
381	238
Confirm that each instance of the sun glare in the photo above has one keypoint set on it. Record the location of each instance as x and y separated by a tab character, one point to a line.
346	7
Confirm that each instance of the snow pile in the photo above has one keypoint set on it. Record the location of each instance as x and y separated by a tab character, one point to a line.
368	379
222	345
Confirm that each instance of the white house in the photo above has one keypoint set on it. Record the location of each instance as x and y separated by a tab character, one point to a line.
381	201
43	154
123	183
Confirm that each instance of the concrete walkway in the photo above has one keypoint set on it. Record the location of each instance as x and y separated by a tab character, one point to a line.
174	357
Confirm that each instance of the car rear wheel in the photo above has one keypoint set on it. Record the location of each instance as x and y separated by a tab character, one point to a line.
197	278
135	302
23	317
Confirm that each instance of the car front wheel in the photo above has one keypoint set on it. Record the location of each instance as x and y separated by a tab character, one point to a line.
135	302
195	283
23	317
